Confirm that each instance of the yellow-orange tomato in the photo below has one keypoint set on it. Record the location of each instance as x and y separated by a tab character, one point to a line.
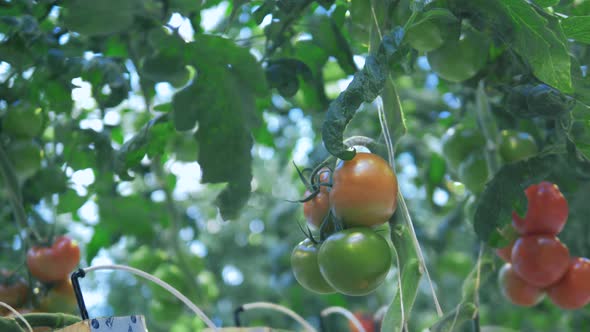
60	298
316	209
364	190
516	290
573	290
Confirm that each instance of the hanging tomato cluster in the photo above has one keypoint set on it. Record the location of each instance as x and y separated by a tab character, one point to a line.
538	263
346	206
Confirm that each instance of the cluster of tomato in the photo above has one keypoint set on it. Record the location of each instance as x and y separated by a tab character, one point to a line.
537	262
463	148
51	266
347	205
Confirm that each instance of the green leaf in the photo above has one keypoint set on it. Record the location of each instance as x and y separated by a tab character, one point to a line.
496	329
577	28
100	239
70	202
150	140
542	47
546	3
99	18
164	68
503	191
222	100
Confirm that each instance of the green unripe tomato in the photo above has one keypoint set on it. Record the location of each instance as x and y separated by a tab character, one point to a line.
473	172
355	261
458	142
304	262
515	146
23	122
459	60
147	258
165	312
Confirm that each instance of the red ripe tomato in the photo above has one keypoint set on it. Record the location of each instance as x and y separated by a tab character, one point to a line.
506	252
547	210
516	290
50	264
13	289
540	260
573	290
316	209
366	321
364	190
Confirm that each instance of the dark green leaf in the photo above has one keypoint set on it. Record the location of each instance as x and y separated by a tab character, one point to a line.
507	187
327	35
394	115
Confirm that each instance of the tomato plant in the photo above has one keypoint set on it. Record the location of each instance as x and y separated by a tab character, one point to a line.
355	261
460	59
547	210
515	146
540	260
304	263
364	190
516	289
54	263
317	208
13	289
573	290
173	275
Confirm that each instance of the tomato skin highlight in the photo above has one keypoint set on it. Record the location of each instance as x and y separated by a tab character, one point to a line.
51	264
355	261
573	290
517	290
304	263
547	210
316	209
540	260
364	191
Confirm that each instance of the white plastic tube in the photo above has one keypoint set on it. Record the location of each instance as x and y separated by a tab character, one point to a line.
287	311
161	283
346	313
17	315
